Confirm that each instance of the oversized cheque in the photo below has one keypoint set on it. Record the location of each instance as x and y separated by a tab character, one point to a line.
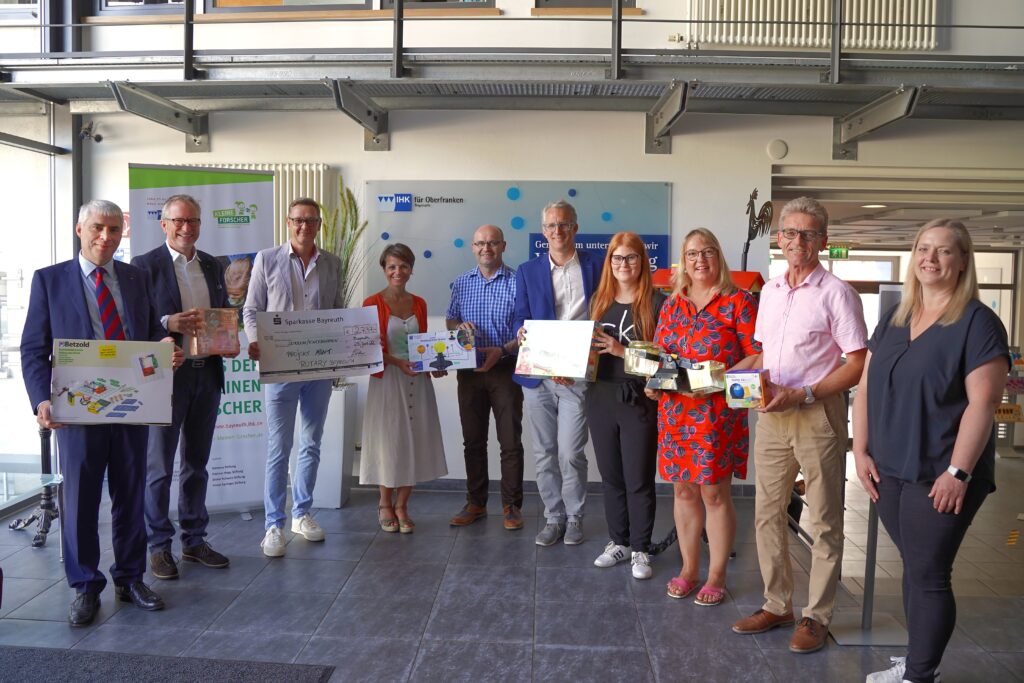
297	346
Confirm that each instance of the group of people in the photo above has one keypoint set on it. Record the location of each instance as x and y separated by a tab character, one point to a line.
929	379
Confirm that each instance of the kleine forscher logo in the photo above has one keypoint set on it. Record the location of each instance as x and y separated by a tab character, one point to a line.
240	214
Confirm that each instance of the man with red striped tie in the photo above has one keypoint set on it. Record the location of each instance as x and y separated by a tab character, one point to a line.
95	297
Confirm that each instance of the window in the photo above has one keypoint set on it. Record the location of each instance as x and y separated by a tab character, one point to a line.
139	6
283	5
561	4
420	4
19	9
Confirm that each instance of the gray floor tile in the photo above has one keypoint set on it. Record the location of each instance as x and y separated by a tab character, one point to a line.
435	503
19	591
34	563
587	625
54	603
430	525
186	607
557	664
1013	662
257	611
683	663
974	667
493	525
999	570
40	633
348	519
471	582
8	550
707	627
289	575
235	576
260	647
504	549
590	585
472	662
390	579
242	537
830	664
362	660
995	634
582	555
409	548
379	617
347	546
481	619
153	640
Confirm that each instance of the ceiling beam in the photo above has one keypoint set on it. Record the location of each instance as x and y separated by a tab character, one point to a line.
665	113
891	107
139	101
372	118
32	145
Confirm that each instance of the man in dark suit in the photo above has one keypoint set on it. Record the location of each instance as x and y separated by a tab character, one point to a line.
557	286
95	297
183	281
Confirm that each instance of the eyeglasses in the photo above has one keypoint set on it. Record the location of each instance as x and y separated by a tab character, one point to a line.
708	253
559	227
488	243
300	221
631	259
805	235
178	222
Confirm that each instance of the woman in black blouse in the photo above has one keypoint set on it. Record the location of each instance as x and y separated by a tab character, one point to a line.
623	422
923	434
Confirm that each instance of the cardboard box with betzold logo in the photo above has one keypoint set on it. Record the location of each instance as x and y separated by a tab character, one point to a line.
747	388
558	348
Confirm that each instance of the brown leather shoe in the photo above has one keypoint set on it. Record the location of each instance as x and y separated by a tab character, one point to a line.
513	517
163	566
468	514
761	621
809	636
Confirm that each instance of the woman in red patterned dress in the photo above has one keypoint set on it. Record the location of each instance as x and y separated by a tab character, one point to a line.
702	442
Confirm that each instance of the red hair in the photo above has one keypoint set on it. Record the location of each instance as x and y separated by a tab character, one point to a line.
602	299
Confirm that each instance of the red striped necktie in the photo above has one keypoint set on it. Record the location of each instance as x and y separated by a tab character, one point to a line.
109	318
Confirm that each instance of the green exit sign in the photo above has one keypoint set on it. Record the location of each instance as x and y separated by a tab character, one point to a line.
838	252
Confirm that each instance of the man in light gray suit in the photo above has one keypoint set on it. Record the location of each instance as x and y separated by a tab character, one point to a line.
293	277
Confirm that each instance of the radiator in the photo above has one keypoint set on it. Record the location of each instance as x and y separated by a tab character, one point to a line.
292	181
758	33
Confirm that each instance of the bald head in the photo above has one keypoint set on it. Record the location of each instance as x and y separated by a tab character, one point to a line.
488	246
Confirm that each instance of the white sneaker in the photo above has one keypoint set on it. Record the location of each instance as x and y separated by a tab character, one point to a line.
612	555
894	674
641	566
307	528
273	543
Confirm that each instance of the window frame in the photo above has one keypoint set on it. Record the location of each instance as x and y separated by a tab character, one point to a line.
581	4
443	4
209	7
21	12
99	8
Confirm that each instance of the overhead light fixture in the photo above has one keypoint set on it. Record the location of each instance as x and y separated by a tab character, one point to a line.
872	206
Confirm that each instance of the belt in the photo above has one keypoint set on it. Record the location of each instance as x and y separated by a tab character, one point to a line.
196	362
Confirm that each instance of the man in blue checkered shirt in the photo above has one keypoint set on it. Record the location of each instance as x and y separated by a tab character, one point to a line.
483	300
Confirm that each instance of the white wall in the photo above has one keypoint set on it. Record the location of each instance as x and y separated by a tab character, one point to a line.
716	162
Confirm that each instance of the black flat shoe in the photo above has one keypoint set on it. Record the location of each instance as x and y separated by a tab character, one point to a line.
141	596
84	609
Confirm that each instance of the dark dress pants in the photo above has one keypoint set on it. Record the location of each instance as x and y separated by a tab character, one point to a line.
480	393
85	454
193	418
625	439
928	542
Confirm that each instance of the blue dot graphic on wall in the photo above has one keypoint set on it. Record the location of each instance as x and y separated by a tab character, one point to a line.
428	254
459	243
606	216
517	222
572	191
513	193
385	235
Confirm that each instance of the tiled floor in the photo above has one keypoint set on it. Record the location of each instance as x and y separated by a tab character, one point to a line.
484	604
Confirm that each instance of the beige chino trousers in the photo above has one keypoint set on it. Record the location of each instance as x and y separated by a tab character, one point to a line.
810	438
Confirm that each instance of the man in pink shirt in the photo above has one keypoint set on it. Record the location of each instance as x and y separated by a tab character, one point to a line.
807	319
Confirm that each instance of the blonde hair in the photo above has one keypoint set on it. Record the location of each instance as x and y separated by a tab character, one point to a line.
644	317
681	281
966	286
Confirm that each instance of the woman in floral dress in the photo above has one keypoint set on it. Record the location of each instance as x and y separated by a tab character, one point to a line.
702	442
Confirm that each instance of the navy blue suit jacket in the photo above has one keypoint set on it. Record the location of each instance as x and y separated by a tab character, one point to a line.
57	309
535	295
166	295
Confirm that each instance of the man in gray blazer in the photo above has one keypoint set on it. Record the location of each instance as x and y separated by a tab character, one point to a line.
293	277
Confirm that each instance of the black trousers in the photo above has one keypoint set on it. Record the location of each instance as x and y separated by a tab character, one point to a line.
193	419
625	439
480	394
928	542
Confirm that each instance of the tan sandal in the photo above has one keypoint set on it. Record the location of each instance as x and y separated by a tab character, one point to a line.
388	524
405	526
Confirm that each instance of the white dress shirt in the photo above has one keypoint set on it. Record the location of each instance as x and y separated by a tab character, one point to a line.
192	288
567	282
305	282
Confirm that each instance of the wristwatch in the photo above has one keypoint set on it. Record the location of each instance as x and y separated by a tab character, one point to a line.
959	474
808	395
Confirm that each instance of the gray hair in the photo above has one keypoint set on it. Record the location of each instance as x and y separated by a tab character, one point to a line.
562	205
100	207
806	205
183	199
